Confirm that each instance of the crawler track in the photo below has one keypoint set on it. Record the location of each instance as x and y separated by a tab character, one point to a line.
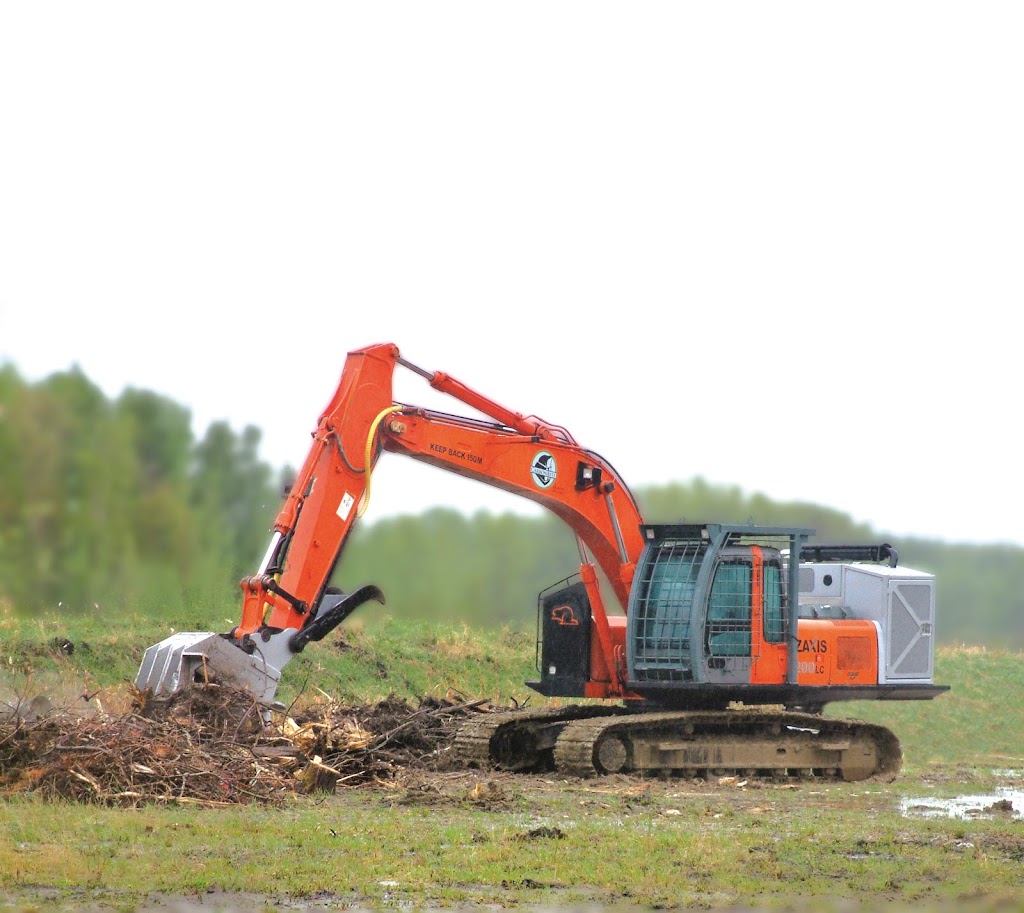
588	741
520	740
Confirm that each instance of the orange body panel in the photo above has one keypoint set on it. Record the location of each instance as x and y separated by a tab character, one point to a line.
837	652
768	662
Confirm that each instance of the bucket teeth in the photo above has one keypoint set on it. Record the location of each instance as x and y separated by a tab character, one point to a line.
163	668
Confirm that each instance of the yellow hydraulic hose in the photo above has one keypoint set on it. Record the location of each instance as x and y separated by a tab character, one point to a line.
364	502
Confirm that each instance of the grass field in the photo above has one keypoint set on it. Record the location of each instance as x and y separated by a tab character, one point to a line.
467	839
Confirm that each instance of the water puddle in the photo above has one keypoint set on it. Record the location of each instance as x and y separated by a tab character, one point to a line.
1004	802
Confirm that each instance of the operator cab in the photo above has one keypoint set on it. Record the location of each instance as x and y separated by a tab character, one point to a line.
709	604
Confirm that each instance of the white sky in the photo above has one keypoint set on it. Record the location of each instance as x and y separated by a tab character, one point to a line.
630	219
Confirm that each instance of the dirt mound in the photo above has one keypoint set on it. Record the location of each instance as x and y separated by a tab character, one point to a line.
210	746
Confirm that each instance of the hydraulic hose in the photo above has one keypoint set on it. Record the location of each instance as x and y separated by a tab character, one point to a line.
364	502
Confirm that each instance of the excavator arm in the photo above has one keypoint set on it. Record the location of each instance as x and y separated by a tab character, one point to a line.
287	603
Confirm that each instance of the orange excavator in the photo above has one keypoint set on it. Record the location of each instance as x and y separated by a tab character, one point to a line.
722	648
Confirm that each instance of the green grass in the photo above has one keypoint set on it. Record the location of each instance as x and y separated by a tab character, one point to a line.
552	843
412	659
357	662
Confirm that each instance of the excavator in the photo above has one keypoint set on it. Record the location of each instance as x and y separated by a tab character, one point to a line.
682	649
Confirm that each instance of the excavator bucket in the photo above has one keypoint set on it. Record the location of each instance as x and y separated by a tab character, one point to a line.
191	658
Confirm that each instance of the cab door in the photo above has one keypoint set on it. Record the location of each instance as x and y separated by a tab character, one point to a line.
728	618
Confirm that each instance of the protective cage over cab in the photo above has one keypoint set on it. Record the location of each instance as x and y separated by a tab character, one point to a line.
710	618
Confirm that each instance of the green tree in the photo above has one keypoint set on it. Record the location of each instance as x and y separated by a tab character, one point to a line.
14	539
114	505
235	499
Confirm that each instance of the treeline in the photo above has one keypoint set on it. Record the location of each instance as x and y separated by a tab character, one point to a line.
115	506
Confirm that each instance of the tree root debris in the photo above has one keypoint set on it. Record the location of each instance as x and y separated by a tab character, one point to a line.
211	746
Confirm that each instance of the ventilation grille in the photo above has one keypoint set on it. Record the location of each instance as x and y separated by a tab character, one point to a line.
910	631
853	653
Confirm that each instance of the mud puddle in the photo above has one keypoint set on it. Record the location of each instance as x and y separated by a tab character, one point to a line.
1004	802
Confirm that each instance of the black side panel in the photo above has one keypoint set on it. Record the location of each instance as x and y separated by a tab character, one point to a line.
565	642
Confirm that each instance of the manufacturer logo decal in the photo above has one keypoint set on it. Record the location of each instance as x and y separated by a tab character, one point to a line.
565	616
543	469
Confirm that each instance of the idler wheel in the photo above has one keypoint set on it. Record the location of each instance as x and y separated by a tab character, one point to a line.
611	754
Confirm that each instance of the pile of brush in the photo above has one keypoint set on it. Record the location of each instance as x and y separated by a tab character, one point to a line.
211	746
